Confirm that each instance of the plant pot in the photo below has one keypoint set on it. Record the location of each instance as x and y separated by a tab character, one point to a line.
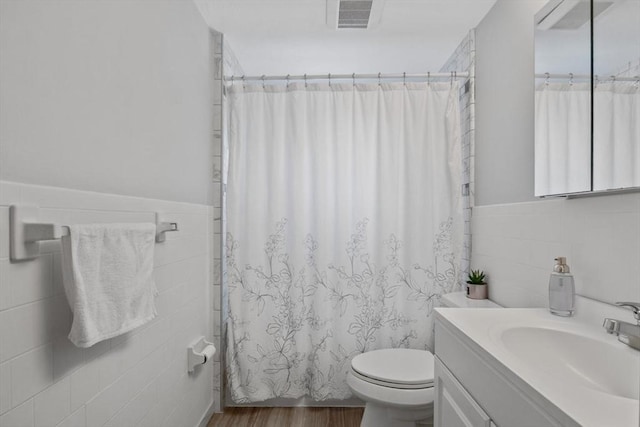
477	291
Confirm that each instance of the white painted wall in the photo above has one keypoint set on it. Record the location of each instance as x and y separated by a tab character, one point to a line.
504	103
515	236
108	96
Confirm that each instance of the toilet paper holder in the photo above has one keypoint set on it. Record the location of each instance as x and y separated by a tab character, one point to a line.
200	353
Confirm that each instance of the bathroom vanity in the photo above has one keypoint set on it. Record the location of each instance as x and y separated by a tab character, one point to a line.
525	367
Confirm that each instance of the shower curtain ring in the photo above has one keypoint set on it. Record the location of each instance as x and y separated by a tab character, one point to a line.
404	78
243	85
428	78
288	76
379	79
329	79
547	76
570	79
262	81
305	80
353	78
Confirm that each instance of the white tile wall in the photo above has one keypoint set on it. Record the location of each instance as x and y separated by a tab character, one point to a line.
463	60
600	236
215	219
77	419
21	416
139	378
230	66
53	404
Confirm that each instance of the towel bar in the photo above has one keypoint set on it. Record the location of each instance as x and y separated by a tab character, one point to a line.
35	231
27	232
162	227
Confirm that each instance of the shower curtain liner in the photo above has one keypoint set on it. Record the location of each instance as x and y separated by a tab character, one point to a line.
344	228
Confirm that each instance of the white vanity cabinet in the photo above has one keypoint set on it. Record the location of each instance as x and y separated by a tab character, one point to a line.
473	389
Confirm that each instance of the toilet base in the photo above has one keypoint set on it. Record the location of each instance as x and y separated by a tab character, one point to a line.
384	416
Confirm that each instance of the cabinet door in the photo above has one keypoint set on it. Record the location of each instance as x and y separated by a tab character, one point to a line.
454	407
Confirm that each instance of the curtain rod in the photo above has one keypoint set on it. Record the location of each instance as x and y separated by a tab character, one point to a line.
584	77
354	76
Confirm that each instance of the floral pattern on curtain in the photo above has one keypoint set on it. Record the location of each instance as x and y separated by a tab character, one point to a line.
344	229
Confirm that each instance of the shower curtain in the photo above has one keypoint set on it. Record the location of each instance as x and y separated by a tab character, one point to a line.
562	138
344	228
616	135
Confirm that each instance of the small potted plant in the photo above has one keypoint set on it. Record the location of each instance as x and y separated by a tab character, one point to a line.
476	285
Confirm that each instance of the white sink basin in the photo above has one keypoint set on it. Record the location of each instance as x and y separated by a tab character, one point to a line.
582	360
570	363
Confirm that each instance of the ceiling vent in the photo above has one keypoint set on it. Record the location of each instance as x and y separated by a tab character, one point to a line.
354	14
568	14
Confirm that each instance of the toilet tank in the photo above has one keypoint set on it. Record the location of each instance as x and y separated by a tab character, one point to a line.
460	300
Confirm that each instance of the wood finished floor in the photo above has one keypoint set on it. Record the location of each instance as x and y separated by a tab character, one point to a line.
286	417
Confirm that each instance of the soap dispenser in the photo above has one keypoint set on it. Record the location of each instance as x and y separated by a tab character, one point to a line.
561	289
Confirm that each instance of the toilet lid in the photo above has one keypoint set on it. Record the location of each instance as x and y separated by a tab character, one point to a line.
396	366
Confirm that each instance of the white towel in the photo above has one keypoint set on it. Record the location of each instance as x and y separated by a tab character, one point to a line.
108	279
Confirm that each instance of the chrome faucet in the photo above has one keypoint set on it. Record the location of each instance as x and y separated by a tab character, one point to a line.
627	333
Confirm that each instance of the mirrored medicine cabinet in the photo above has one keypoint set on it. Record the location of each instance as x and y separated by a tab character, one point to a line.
587	97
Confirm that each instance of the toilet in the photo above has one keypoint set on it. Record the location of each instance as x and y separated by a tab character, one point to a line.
397	384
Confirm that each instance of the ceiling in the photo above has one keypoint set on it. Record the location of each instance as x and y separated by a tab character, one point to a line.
279	37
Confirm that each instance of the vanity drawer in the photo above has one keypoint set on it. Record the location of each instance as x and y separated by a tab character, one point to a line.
453	405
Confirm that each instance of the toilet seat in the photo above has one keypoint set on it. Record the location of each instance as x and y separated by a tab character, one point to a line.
390	384
389	397
398	368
